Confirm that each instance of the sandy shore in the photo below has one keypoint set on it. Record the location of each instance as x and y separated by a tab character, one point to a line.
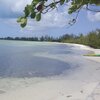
81	84
96	51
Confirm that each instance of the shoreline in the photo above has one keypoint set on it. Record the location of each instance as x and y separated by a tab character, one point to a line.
95	51
81	84
92	50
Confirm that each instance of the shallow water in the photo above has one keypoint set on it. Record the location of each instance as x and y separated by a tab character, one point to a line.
21	59
25	63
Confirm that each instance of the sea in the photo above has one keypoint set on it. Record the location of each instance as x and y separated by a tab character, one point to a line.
21	59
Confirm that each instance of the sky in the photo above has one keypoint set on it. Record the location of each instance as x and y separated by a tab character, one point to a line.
54	23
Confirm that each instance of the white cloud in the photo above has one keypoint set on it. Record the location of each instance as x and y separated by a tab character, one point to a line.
93	16
12	8
19	5
55	19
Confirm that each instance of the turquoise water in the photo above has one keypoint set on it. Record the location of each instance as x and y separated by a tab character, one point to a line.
31	59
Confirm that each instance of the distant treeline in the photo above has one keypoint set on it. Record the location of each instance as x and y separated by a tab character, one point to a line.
42	38
91	39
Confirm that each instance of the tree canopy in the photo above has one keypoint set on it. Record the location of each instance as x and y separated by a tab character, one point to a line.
39	7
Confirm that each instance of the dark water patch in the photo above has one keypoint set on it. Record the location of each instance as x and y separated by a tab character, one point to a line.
32	67
17	59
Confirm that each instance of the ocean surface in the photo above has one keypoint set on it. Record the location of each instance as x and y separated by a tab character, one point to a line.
22	59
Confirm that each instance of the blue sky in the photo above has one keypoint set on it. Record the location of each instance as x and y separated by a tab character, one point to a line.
53	23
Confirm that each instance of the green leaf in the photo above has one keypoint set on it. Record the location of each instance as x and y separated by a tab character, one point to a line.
79	1
73	9
19	19
35	2
70	12
38	17
62	2
67	0
22	21
33	14
52	5
23	25
27	10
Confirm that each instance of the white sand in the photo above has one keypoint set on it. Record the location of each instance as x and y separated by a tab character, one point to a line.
81	84
96	51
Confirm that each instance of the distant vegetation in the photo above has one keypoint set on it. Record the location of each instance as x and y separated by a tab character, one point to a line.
91	39
42	38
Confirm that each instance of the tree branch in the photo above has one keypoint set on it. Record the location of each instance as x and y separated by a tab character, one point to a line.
56	2
87	7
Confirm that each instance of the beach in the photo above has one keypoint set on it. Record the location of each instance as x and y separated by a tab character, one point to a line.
81	83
